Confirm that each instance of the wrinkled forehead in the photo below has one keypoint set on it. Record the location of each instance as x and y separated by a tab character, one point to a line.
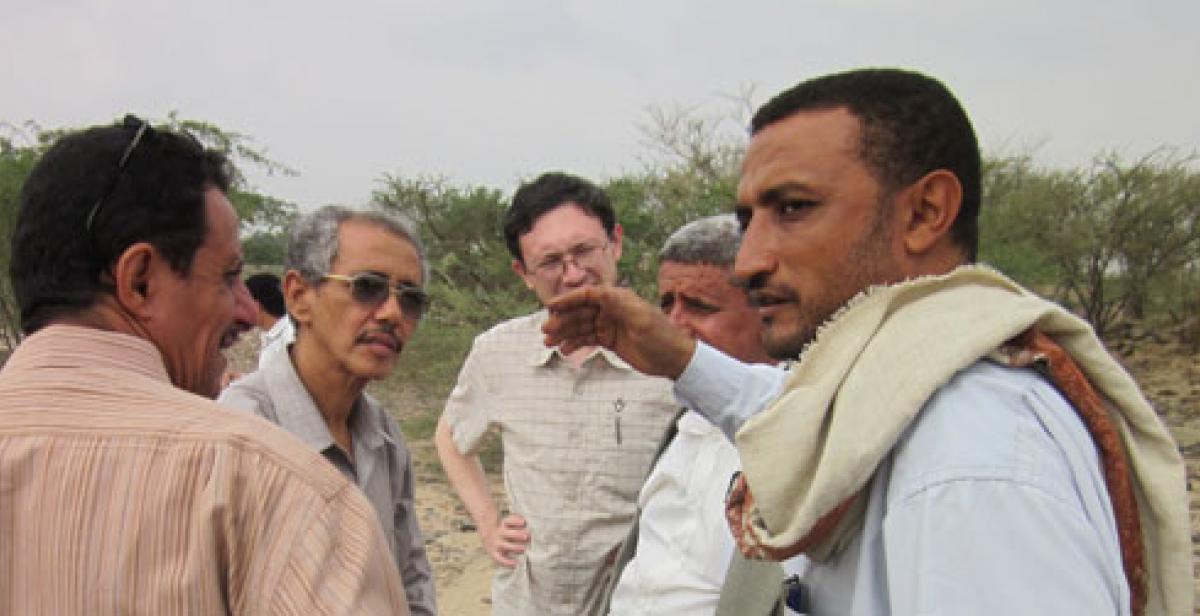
695	278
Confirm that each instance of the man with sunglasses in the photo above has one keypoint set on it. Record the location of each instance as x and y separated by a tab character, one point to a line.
125	488
353	289
578	430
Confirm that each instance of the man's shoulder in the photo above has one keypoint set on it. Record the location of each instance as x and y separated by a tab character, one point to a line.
256	442
252	384
990	422
251	392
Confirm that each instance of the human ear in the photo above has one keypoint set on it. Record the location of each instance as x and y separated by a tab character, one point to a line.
616	237
518	268
297	295
135	281
931	207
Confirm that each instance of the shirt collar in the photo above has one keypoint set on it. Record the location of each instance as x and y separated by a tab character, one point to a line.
84	347
298	412
541	354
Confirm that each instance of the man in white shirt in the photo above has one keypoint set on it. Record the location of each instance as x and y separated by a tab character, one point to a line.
683	545
949	443
274	326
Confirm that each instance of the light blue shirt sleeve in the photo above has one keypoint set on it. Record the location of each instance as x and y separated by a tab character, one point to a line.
726	391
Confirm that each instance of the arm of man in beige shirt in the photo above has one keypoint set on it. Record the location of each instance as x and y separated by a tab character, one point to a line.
503	539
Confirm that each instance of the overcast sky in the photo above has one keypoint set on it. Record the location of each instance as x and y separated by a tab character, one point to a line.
492	92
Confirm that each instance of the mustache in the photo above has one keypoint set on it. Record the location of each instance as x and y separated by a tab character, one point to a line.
760	293
387	334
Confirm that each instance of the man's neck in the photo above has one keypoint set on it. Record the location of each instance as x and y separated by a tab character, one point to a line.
333	391
580	354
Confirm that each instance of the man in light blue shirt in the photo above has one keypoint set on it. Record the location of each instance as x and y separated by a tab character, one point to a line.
948	443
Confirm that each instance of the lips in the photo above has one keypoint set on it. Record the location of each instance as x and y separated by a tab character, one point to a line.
769	301
767	298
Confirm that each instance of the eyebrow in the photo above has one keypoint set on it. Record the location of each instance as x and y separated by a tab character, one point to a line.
777	193
389	278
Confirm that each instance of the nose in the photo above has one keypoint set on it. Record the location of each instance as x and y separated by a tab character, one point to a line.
573	273
756	257
679	318
389	309
245	309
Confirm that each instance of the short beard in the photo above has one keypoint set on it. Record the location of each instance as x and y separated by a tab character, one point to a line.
871	252
787	348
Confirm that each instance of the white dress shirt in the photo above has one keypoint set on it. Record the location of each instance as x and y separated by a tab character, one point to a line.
684	544
276	339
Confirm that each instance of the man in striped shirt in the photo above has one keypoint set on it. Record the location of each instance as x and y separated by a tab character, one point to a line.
121	489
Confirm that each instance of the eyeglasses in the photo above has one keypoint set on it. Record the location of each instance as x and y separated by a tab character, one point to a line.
585	255
142	127
372	289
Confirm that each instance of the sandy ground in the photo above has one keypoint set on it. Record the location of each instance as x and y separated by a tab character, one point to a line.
462	570
1169	374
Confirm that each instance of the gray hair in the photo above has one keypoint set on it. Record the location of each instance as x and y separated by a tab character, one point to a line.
313	245
708	241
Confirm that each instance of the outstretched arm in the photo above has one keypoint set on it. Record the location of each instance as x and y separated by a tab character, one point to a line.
503	539
618	319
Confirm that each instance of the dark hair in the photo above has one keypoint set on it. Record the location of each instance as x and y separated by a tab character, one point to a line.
911	125
549	191
59	263
267	290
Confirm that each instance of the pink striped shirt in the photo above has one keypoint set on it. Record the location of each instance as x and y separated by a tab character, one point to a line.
122	494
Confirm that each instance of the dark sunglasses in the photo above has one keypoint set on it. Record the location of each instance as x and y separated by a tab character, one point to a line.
372	289
140	128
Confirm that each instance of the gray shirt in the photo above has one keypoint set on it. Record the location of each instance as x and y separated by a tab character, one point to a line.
382	466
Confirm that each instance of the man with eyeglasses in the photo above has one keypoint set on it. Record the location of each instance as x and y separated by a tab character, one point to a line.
353	289
578	429
125	488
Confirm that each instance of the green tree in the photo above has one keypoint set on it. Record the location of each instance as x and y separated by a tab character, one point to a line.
1107	239
265	248
693	173
19	151
258	211
471	276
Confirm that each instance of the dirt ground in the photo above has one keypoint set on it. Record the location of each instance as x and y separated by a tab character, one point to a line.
1168	372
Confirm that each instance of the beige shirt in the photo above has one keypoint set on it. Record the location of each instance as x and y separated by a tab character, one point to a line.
121	494
577	445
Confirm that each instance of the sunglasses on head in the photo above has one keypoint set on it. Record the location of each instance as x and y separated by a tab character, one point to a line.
372	289
140	128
